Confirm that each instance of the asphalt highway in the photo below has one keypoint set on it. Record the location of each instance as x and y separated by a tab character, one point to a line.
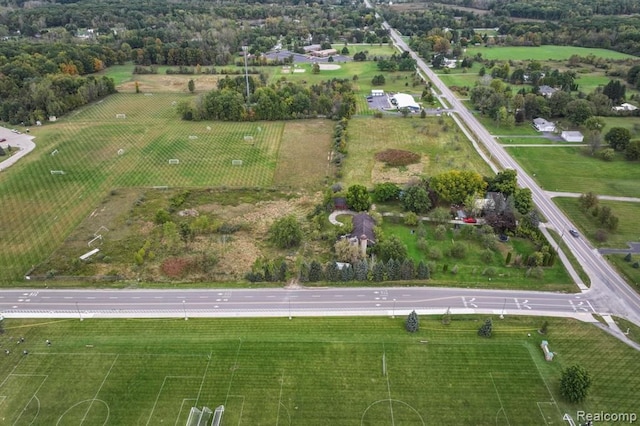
287	302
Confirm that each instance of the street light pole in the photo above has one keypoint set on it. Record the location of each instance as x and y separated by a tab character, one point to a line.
79	313
245	49
184	308
503	306
289	300
393	312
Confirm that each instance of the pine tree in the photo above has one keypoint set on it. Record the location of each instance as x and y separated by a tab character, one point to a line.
378	272
508	261
361	270
393	270
485	330
331	272
347	273
282	271
407	270
413	323
423	271
315	271
304	272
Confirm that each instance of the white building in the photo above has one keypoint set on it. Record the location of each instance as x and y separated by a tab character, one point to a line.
625	107
572	136
377	92
403	100
542	125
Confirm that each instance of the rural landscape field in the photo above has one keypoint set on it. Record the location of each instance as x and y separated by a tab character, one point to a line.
346	371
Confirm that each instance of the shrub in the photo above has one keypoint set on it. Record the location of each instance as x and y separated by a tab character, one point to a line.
386	191
458	251
397	157
486	328
440	232
454	270
487	256
286	232
601	236
412	323
162	216
489	272
411	219
434	253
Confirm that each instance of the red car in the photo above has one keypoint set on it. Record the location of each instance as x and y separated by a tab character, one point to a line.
469	220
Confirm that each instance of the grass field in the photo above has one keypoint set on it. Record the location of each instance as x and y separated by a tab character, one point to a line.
88	142
552	166
627	230
441	144
542	53
306	371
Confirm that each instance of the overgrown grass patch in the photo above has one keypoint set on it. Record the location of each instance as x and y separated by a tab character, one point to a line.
542	53
440	143
473	269
588	173
307	371
627	230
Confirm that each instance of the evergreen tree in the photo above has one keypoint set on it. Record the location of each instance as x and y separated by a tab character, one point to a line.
486	328
378	272
315	271
407	270
423	271
412	323
303	274
347	273
393	270
361	270
331	272
282	271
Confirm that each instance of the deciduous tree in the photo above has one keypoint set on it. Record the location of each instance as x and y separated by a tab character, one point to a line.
575	383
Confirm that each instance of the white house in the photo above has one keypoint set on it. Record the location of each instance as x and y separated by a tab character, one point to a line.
450	63
542	125
572	136
403	100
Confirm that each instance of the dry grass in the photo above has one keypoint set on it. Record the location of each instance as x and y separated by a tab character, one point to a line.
303	159
173	83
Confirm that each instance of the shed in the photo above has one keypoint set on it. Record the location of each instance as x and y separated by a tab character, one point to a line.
340	203
572	136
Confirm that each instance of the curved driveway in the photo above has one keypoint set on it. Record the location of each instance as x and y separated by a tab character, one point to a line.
21	141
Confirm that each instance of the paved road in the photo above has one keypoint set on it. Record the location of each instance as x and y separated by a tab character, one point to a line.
281	302
612	292
21	141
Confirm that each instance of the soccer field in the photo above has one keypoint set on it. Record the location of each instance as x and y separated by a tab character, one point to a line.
338	371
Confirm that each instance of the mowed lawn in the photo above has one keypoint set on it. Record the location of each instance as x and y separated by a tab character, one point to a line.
98	152
440	143
307	371
542	53
552	166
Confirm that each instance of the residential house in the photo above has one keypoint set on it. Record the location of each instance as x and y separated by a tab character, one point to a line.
542	125
546	91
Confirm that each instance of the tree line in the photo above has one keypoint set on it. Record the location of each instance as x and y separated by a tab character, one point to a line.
280	101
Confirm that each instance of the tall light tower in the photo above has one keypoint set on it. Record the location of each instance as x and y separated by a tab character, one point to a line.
245	49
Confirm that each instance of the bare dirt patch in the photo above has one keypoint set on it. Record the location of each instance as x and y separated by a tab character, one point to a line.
382	173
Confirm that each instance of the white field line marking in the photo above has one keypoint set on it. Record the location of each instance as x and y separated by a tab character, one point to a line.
181	407
204	376
46	376
233	372
241	406
589	303
499	399
160	391
544	381
280	398
541	412
393	422
99	389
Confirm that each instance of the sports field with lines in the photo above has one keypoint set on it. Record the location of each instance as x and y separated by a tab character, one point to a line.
337	371
96	152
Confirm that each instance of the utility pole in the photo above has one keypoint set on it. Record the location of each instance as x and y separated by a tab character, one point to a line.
245	49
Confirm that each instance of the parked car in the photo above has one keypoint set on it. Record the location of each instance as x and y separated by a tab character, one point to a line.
469	220
574	233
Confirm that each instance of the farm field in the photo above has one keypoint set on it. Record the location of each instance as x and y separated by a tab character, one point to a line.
267	371
473	269
87	146
442	146
542	53
552	166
